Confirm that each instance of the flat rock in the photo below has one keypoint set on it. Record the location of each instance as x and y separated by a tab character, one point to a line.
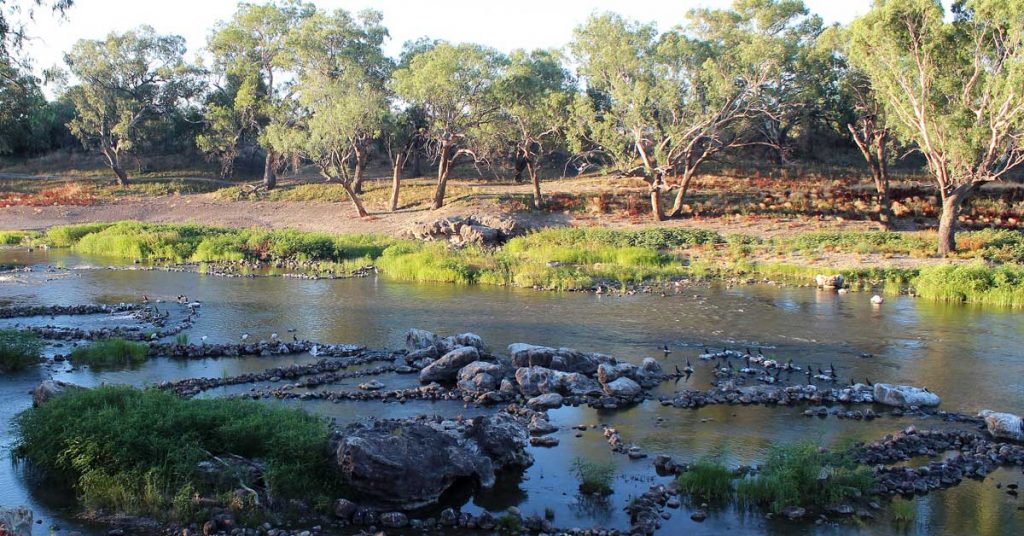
1003	425
446	368
904	395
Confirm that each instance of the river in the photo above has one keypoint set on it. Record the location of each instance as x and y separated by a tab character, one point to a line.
970	356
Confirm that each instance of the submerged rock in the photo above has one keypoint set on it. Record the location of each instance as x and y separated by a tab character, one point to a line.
408	464
829	281
904	395
1003	425
16	521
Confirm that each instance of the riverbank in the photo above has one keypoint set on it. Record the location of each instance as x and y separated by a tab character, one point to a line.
986	270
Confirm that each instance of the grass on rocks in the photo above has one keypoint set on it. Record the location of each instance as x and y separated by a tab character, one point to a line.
18	349
707	480
804	475
110	353
595	478
136	451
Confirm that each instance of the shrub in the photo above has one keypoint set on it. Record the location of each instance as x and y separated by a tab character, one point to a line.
18	349
110	353
707	480
136	451
804	475
595	478
65	236
16	238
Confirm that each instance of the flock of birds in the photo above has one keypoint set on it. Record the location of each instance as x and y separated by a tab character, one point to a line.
757	365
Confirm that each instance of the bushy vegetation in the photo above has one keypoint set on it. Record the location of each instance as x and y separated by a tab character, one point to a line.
707	480
973	283
595	478
110	353
18	349
14	238
136	451
804	475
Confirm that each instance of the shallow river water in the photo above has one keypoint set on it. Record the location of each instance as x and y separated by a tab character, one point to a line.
971	356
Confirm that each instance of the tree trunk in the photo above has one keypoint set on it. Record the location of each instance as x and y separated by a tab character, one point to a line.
656	211
396	182
354	197
443	166
882	184
357	177
950	217
521	164
417	162
269	175
538	201
677	206
114	161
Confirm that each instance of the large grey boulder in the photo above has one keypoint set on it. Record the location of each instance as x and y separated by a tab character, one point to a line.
408	464
623	387
16	521
576	384
829	281
545	401
535	381
904	395
480	377
447	367
50	389
561	359
1003	425
420	339
529	355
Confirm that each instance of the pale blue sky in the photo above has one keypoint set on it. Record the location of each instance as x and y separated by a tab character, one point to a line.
505	24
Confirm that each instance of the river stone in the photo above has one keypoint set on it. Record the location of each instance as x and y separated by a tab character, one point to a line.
394	520
49	389
1004	425
528	355
569	360
344	508
16	521
904	395
446	368
576	384
623	387
608	372
651	367
535	381
480	377
829	281
408	464
545	401
419	339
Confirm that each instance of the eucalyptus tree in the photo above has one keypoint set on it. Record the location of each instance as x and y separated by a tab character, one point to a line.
127	83
401	138
953	88
535	93
12	29
672	101
339	102
454	85
253	47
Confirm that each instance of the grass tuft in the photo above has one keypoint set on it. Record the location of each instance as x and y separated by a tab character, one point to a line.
19	349
110	353
595	478
707	480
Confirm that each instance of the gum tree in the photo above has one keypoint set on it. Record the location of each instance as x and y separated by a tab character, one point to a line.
454	86
253	48
127	83
535	94
954	89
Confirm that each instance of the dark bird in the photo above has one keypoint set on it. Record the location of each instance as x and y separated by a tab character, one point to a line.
747	360
689	367
868	382
747	350
294	338
760	352
820	373
832	368
664	348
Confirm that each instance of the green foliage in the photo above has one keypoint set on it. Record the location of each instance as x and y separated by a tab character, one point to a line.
902	510
137	451
19	349
973	283
425	262
707	480
110	353
17	238
856	242
65	236
595	478
804	475
509	524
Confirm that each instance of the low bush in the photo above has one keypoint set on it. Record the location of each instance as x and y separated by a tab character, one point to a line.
18	349
137	451
972	283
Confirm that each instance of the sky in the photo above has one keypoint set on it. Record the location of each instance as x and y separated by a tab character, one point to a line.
504	24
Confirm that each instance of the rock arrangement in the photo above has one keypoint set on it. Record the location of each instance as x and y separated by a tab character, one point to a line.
260	348
18	311
143	314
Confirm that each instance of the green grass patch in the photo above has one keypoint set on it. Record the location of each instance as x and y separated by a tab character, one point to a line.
902	510
972	283
110	353
17	238
707	480
19	349
804	475
595	478
136	451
